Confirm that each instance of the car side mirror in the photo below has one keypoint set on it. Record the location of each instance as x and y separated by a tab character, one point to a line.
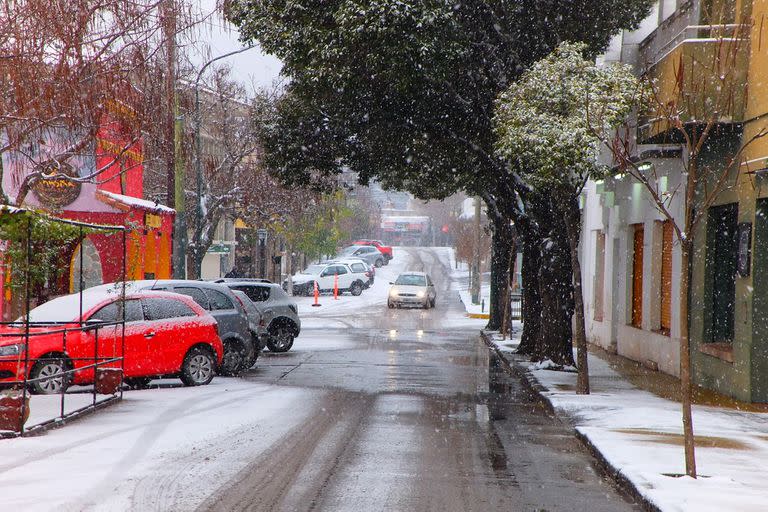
391	282
92	324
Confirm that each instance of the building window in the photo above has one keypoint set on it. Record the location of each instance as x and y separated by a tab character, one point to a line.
717	12
637	275
667	237
722	248
599	286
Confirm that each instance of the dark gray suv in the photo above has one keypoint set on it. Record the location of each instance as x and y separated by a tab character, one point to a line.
279	310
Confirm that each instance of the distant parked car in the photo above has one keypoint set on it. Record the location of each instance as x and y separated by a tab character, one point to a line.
280	312
166	334
412	289
367	253
384	249
324	275
240	347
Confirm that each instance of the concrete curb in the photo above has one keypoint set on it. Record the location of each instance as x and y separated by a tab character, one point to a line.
601	462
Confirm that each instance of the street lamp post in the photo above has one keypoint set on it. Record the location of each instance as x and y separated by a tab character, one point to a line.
198	150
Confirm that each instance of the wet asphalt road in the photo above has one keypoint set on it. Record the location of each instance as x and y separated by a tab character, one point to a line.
415	417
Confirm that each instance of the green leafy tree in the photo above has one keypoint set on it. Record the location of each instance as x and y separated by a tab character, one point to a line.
404	91
545	123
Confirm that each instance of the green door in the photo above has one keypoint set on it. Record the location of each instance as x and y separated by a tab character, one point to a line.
723	221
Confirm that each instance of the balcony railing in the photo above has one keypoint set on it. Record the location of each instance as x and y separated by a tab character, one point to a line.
654	49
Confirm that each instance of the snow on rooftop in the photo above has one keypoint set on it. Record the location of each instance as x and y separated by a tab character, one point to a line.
136	202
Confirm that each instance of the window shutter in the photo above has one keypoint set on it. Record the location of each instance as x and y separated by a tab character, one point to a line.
666	277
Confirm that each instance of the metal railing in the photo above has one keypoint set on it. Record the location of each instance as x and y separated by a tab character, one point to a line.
29	332
516	306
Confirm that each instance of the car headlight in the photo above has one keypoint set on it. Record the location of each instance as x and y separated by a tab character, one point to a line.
420	294
393	292
11	350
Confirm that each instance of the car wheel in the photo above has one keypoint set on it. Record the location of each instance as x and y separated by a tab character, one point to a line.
390	305
50	385
379	263
254	355
234	359
281	339
310	290
137	382
198	367
356	288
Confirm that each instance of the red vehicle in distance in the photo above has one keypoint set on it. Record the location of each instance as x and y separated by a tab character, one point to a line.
383	249
166	334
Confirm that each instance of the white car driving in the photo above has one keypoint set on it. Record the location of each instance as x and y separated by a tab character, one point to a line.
412	289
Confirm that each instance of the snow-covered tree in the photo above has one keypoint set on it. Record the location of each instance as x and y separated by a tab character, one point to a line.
403	92
544	123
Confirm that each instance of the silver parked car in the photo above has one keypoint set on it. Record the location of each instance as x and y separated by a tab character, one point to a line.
367	253
412	289
279	310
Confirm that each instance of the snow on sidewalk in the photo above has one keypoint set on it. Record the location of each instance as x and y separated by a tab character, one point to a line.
155	444
640	436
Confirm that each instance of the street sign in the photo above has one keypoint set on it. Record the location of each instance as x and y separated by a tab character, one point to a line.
262	234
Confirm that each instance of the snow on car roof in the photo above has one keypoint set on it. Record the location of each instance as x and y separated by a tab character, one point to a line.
67	307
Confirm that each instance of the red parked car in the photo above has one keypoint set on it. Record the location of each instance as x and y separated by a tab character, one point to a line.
166	334
384	249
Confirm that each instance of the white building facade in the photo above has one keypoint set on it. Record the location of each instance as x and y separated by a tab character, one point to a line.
631	262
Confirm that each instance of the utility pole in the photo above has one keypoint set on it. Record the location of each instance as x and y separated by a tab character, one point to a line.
172	143
180	222
476	256
198	143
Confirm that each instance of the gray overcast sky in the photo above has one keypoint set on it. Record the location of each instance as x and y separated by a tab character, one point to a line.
249	67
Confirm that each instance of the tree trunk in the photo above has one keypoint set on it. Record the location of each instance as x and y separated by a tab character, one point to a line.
194	264
572	216
556	290
547	283
685	361
502	246
531	310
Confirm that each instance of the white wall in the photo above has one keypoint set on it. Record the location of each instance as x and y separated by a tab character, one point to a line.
613	207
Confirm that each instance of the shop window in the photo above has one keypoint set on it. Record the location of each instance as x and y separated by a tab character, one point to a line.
599	285
637	275
667	239
722	249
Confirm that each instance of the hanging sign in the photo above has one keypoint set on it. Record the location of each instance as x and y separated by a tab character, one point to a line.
54	190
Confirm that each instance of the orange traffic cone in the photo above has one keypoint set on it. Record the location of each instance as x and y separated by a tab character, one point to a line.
317	296
336	287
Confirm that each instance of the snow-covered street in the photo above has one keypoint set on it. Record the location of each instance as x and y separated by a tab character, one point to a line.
372	409
159	449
